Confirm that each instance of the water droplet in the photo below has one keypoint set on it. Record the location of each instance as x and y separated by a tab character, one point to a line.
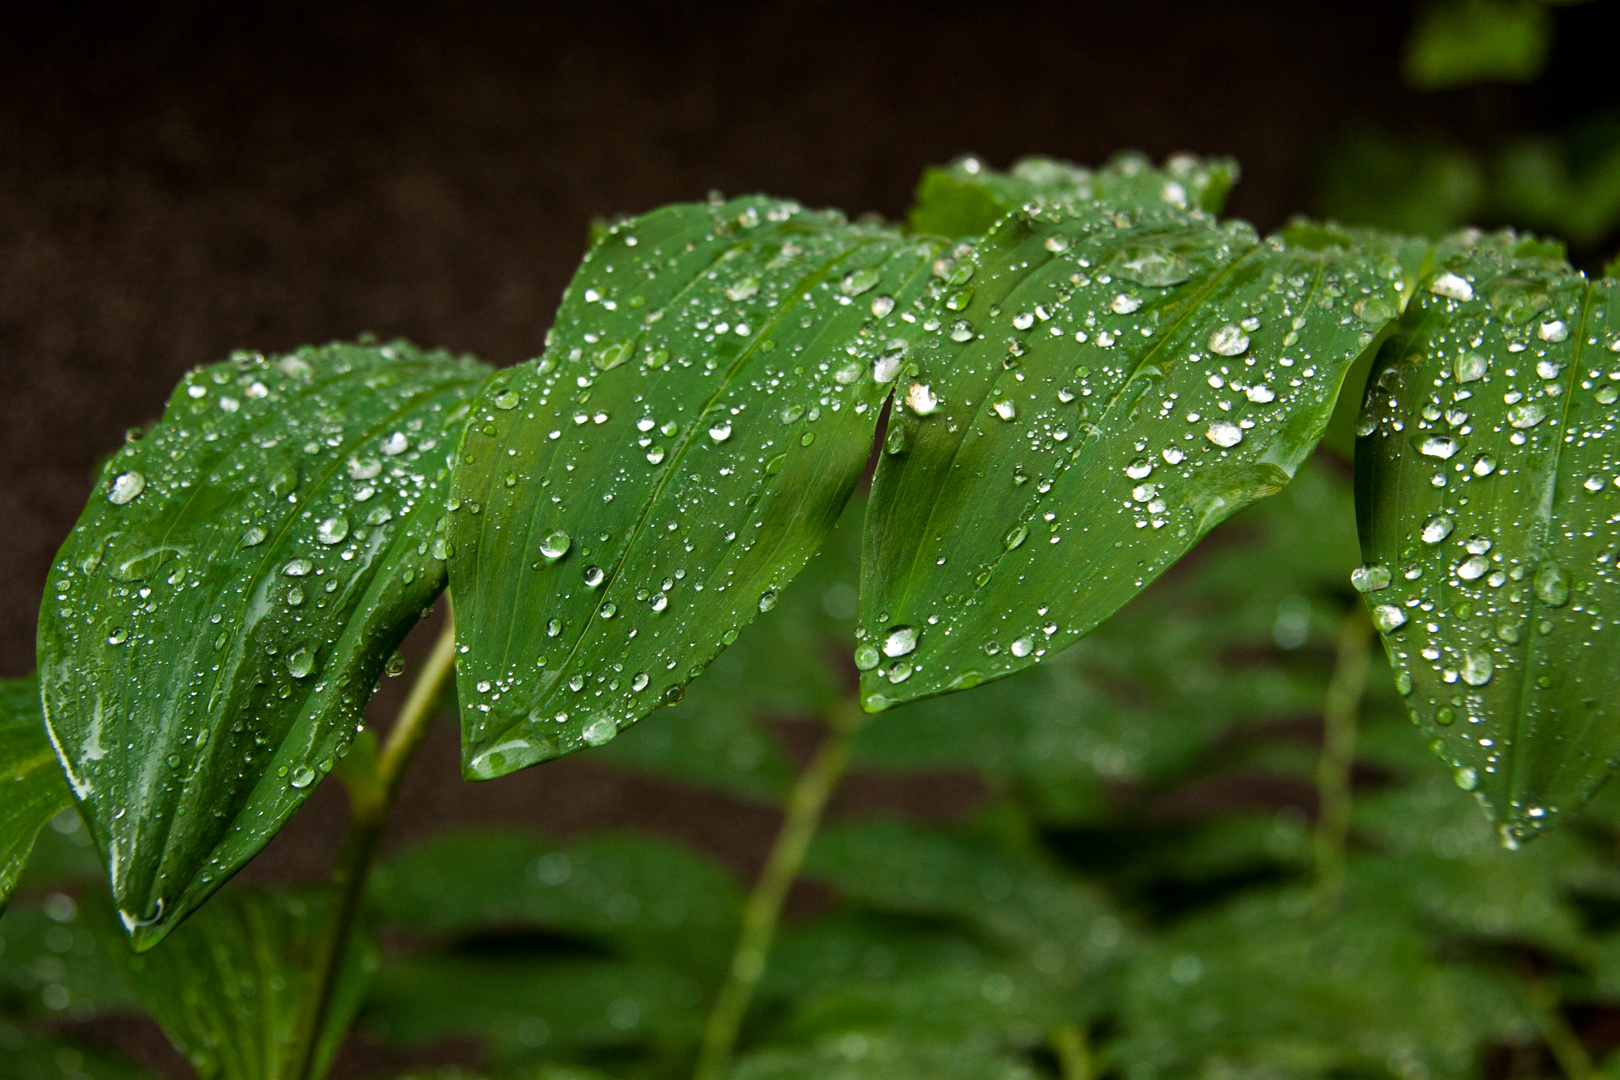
1150	266
767	600
858	281
882	305
1260	393
118	636
1554	331
1547	369
1229	340
1484	465
743	289
252	536
553	627
1370	577
302	777
1439	446
1022	647
866	657
1437	528
1593	483
556	544
959	300
639	683
1224	433
921	400
720	432
961	330
395	444
332	530
655	455
1472	367
1467	778
593	576
125	487
601	730
900	673
900	641
1477	667
1004	409
1015	536
1124	303
658	601
1388	617
1527	415
1057	243
1552	586
364	468
301	662
507	400
1173	455
1403	683
1452	287
297	567
888	364
1474	568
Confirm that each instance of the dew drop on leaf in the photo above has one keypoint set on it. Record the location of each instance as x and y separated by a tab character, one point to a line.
125	487
555	544
901	641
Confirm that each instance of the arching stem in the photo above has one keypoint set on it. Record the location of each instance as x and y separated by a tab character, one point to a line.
1339	711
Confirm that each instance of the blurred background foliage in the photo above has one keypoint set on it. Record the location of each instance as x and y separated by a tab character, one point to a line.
1137	887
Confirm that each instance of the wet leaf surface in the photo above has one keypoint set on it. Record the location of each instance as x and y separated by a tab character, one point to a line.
32	789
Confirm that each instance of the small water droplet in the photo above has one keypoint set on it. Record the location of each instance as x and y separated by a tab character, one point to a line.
507	400
1474	568
297	567
1022	647
1553	331
1370	577
921	400
767	600
1484	465
858	281
961	330
252	536
593	576
1552	586
1005	409
1477	667
1527	415
301	662
1124	303
1015	536
302	777
900	641
720	432
1388	617
395	444
866	657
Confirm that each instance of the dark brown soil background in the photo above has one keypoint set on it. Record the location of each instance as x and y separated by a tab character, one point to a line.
177	181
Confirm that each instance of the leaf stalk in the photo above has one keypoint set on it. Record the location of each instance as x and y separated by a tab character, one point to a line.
1345	690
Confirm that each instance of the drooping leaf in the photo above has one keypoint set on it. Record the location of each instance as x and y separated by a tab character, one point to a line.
227	986
967	199
648	898
1486	503
1103	386
1268	986
221	612
32	789
627	502
854	1056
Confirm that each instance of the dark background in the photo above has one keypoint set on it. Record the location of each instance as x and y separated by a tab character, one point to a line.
177	181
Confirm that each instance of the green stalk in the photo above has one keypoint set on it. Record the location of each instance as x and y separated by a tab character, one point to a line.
1345	689
1566	1046
1073	1052
371	801
764	906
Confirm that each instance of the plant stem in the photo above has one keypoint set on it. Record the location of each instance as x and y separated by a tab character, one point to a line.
1073	1053
1566	1046
371	804
1338	754
764	905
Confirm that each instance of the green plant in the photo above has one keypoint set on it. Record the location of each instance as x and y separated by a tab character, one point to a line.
1078	376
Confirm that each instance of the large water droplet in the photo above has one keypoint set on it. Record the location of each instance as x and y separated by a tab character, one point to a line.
1552	586
866	657
1554	331
921	399
1477	667
901	641
556	544
1471	367
1149	266
858	281
1527	415
1370	577
1022	647
767	600
1015	536
1437	528
1388	617
1484	465
301	662
125	487
1451	286
1229	340
1474	568
302	777
601	730
1004	409
593	576
1224	433
332	530
1439	446
720	432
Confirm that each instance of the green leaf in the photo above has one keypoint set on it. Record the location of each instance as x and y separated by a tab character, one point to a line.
32	789
1485	503
967	199
219	616
519	1005
54	963
227	986
854	1056
1018	903
34	1056
1079	423
1411	185
625	504
649	898
1268	985
1457	42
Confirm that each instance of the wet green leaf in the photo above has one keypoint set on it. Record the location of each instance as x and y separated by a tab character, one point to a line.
648	898
518	1005
220	614
967	199
55	963
1119	382
1486	499
35	1056
1268	985
1458	42
625	504
227	985
854	1056
32	789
